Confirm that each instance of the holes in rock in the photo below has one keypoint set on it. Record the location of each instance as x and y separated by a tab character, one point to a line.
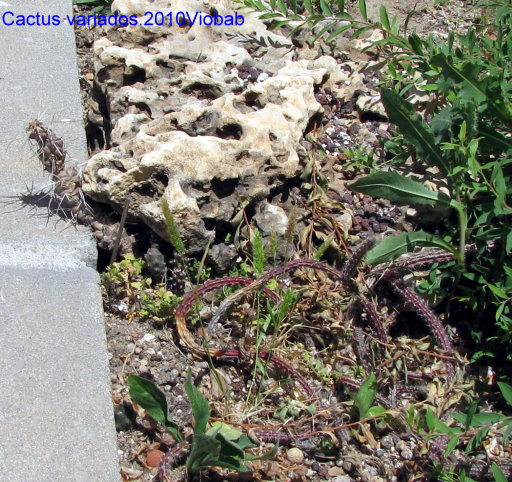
203	125
98	127
210	224
95	137
102	75
252	99
153	187
371	117
223	188
203	91
143	107
272	137
222	228
229	131
162	178
134	74
315	121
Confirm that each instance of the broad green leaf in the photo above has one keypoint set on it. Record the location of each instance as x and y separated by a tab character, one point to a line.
414	130
227	431
451	445
475	88
506	391
362	9
365	396
199	404
282	7
145	393
394	246
480	419
508	430
436	425
376	410
326	10
341	6
204	452
337	32
499	476
384	19
397	188
229	449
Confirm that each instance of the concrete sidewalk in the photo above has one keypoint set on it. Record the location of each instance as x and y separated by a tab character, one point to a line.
56	418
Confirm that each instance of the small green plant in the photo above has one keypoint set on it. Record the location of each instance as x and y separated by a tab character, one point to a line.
172	228
470	430
365	397
464	140
96	6
258	253
160	304
216	445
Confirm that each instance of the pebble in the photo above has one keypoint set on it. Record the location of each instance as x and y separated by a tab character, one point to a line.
342	478
262	77
173	376
295	455
335	472
153	458
348	466
386	442
148	337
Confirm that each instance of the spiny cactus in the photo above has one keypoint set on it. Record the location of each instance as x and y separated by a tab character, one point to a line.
65	197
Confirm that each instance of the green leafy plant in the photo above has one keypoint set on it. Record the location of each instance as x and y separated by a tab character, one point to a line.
472	428
172	228
464	139
216	445
96	6
365	397
160	304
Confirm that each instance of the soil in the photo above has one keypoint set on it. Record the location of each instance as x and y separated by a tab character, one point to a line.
318	339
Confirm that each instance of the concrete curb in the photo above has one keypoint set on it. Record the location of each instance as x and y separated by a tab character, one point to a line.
56	418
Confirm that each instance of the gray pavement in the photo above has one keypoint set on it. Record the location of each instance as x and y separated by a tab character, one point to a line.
56	420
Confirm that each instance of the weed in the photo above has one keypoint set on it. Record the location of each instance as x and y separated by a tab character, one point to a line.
214	445
96	6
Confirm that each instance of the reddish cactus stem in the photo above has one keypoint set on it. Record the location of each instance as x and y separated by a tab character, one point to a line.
374	318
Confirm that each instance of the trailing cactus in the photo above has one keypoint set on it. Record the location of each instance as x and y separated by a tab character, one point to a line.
65	196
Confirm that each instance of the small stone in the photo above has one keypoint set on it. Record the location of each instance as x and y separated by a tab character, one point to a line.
386	442
262	77
173	376
335	471
344	221
295	455
406	453
153	458
342	478
348	466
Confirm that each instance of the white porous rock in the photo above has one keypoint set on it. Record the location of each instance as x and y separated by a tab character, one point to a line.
271	220
201	116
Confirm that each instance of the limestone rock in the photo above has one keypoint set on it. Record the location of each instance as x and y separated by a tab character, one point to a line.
204	116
